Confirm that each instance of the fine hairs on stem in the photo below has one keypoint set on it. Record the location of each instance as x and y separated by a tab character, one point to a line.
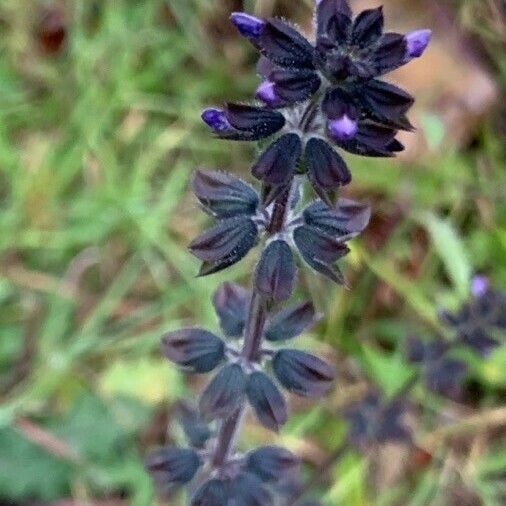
317	99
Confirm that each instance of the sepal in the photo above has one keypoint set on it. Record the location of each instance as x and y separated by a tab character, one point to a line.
224	393
302	373
224	195
196	349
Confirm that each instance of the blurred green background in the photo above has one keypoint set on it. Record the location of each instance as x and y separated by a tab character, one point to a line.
99	134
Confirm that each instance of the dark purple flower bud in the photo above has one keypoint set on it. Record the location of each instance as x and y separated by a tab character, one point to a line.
302	373
254	123
215	119
247	490
277	163
224	195
224	244
212	493
174	466
266	400
248	25
275	273
479	286
196	430
343	128
347	219
224	393
291	322
320	251
417	42
230	303
326	170
266	92
197	349
284	45
271	463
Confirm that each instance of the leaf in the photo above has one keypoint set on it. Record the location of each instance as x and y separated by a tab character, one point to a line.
390	372
27	471
147	379
451	250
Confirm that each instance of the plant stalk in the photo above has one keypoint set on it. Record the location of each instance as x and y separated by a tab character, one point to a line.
257	316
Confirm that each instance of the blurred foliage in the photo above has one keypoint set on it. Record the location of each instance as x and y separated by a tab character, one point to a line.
99	135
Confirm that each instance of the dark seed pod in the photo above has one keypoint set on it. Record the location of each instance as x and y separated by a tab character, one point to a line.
291	322
266	400
320	251
230	303
224	244
223	195
271	463
212	493
224	393
275	273
344	221
173	465
247	490
196	430
325	168
277	163
302	373
197	349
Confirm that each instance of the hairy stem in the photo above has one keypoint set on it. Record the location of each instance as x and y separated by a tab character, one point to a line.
257	315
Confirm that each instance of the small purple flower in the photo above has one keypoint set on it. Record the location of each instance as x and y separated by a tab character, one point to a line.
215	119
479	285
248	25
417	42
343	129
266	92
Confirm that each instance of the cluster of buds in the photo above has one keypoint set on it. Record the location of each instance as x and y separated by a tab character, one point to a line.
315	98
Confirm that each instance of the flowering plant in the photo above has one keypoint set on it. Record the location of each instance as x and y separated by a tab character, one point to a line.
317	98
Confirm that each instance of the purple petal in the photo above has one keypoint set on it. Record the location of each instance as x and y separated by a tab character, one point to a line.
215	119
343	129
248	25
266	92
479	285
417	42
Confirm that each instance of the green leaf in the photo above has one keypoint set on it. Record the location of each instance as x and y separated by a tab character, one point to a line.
451	250
149	380
389	371
27	471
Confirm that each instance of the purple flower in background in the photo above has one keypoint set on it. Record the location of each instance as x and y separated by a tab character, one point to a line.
480	323
440	372
375	420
